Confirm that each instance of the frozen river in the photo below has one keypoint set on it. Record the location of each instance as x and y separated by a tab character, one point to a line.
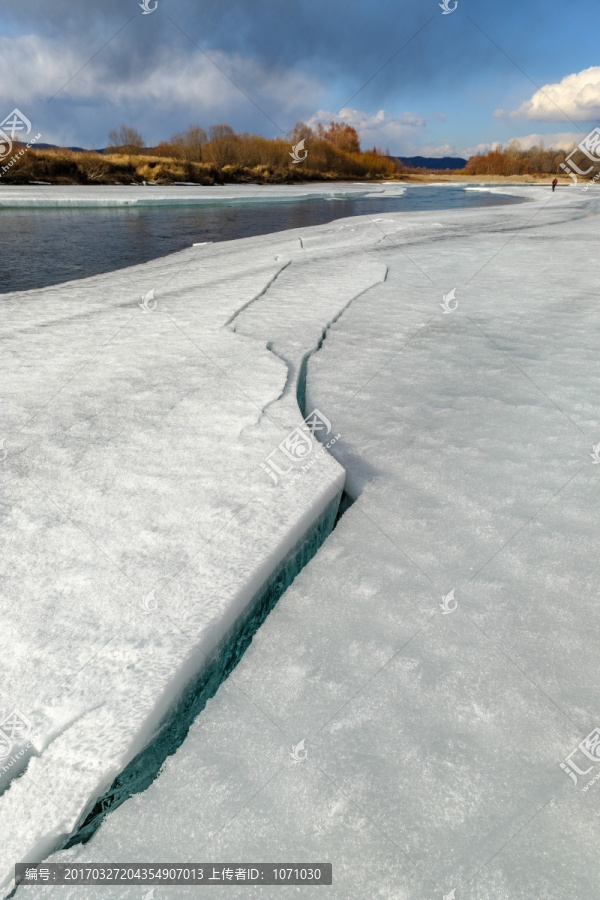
404	710
53	234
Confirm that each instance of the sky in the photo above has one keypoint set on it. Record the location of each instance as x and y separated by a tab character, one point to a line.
410	77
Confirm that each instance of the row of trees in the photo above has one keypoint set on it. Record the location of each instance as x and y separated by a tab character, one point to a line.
512	160
334	147
331	147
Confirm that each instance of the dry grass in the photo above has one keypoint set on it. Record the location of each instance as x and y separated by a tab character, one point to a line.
231	159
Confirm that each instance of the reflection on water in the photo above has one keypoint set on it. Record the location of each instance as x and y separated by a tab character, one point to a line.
40	247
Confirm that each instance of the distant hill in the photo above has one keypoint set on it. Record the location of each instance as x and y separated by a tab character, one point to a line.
432	162
41	146
145	150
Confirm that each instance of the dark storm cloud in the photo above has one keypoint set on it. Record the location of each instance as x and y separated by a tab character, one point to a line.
343	42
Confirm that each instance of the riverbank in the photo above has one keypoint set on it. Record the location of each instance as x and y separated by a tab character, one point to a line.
62	166
459	178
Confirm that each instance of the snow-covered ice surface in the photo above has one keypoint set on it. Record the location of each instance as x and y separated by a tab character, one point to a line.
82	196
137	521
434	728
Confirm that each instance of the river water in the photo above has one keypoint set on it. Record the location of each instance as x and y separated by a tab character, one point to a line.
41	247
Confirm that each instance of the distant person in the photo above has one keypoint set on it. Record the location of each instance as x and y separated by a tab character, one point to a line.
554	183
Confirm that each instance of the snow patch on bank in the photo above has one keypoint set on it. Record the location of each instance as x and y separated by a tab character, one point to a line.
106	196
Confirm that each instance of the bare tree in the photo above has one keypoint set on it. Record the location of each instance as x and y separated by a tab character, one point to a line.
300	132
222	144
189	143
125	140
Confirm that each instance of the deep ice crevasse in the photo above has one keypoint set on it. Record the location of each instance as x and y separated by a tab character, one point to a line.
142	770
309	529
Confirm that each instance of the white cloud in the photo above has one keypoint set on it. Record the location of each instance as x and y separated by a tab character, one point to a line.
563	140
401	133
577	97
376	129
480	148
435	150
360	119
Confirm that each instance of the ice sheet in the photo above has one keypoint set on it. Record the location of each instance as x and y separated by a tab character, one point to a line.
139	514
433	732
83	196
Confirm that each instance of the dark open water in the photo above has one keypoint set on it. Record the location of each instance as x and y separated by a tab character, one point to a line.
39	247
